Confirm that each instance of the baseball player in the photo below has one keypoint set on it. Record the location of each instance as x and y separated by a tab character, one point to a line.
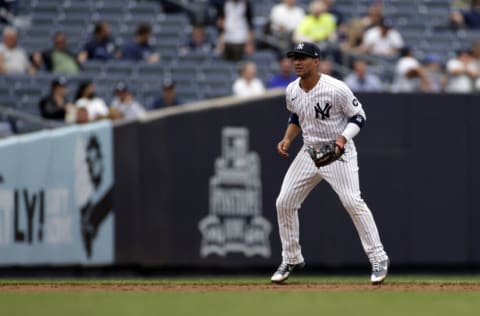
328	115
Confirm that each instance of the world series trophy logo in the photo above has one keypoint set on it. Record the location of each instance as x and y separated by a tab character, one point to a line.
235	223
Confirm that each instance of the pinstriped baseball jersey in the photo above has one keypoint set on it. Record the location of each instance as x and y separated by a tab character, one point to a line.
323	112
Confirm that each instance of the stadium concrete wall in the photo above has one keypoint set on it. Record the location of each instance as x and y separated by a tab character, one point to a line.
196	185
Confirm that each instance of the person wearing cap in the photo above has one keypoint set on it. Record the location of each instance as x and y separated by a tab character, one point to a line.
324	111
54	105
434	70
169	95
125	102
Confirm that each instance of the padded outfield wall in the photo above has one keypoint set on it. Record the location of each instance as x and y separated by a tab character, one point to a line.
196	185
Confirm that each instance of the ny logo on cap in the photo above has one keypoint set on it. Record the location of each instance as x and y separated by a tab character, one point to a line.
300	46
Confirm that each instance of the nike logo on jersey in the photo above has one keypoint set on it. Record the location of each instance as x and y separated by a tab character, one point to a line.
325	112
293	99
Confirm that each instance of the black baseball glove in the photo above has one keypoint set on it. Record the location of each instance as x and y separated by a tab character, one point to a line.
326	154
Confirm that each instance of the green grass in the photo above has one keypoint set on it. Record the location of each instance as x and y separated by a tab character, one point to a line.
243	302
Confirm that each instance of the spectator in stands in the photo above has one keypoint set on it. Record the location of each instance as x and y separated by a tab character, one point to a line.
284	19
96	107
100	46
198	42
248	84
168	97
433	67
374	16
54	105
318	26
326	67
360	80
410	75
235	22
358	26
467	18
284	75
58	59
125	102
476	53
13	59
476	59
382	40
140	48
462	72
460	4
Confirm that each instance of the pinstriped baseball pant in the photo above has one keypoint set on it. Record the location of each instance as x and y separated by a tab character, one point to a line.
301	177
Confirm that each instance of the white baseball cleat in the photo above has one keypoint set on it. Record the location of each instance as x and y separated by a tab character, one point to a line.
284	270
379	271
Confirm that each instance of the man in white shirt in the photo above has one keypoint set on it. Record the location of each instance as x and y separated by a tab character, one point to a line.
285	17
382	40
462	73
13	59
410	75
96	107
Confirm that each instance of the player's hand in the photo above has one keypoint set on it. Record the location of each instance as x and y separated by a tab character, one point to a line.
340	142
283	146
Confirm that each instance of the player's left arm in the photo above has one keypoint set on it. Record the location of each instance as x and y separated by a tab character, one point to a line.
353	110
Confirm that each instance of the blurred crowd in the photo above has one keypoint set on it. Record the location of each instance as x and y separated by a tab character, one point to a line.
351	44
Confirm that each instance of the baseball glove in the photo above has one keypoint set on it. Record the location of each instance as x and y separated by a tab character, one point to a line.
326	154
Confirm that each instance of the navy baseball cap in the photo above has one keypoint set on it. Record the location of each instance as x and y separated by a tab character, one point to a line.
121	86
305	48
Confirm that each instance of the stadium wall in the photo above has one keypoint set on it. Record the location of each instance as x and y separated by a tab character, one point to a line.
196	185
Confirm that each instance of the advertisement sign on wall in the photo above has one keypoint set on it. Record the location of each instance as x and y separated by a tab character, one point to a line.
56	197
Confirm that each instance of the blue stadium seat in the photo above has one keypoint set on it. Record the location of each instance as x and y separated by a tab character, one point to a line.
150	72
120	68
8	101
94	68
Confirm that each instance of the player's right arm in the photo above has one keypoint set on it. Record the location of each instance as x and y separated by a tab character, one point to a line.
293	129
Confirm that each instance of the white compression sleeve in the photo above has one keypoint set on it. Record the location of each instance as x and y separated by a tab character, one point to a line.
350	131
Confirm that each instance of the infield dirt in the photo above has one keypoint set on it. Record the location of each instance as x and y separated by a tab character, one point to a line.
240	287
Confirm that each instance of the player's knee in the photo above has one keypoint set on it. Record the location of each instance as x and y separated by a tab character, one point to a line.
355	204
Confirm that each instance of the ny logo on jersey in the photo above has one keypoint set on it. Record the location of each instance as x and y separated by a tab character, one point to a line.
325	112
